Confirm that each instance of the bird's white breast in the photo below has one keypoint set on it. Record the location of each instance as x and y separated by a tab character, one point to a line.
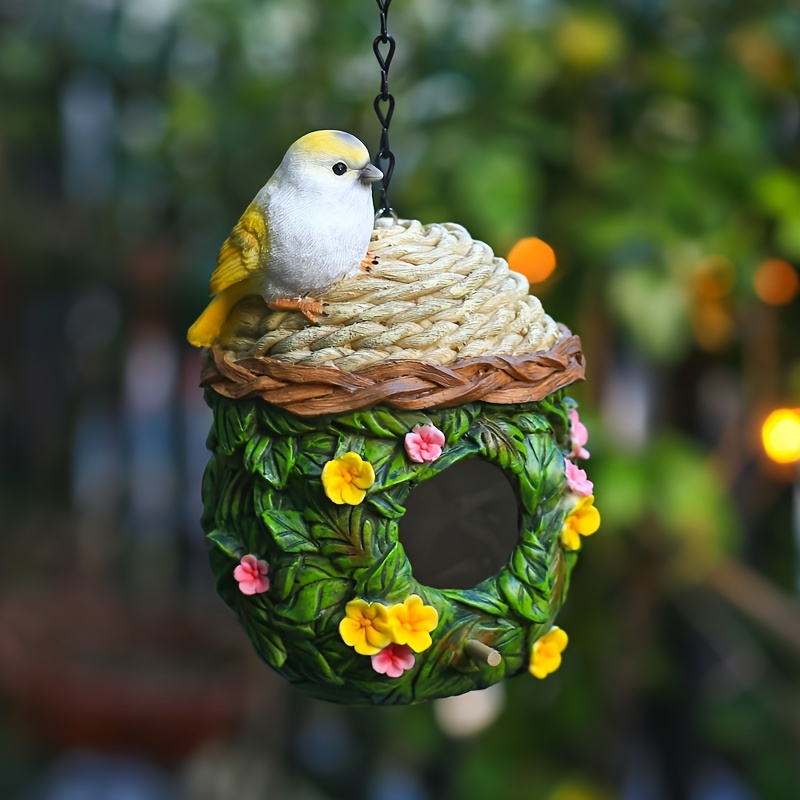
315	239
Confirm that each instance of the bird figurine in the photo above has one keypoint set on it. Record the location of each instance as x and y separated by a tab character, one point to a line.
307	228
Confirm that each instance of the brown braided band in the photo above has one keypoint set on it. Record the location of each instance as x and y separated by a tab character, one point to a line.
408	385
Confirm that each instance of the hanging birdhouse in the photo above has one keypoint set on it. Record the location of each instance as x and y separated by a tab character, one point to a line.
348	373
435	357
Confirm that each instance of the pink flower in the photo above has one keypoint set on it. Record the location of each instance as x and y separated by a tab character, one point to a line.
577	480
252	575
393	660
424	443
579	436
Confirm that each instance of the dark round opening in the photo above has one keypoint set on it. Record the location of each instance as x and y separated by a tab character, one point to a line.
460	526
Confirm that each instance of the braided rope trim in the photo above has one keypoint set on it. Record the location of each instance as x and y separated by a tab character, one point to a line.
436	295
406	385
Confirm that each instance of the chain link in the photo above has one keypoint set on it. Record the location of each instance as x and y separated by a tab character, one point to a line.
383	47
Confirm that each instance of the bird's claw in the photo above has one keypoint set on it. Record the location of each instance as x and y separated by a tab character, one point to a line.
368	262
309	308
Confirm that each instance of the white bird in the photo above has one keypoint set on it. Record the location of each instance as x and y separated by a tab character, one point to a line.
307	228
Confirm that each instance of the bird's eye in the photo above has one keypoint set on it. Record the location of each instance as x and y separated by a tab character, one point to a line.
339	168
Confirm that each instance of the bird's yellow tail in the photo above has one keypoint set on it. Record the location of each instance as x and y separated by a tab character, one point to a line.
208	326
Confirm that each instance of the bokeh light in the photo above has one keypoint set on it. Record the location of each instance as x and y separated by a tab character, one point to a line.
714	277
781	435
589	41
776	282
712	325
532	258
465	715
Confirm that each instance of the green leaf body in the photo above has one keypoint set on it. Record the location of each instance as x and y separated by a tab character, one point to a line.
263	494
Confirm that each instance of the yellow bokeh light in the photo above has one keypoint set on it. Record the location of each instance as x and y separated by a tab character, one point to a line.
712	325
781	435
532	258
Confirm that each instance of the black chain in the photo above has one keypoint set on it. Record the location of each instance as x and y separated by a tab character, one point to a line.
384	108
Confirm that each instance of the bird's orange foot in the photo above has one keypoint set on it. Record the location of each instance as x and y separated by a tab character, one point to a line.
368	262
310	309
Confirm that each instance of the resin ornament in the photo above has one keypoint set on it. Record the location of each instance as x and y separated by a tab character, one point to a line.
432	356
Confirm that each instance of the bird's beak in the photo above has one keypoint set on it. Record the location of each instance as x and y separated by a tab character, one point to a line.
370	174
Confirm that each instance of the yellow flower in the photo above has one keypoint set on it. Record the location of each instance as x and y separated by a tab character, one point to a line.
583	520
365	627
345	479
546	653
411	623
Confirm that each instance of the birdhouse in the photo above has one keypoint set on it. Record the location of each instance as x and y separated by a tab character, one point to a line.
437	362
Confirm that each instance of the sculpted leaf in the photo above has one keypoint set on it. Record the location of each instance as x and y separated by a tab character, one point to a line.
389	579
233	424
289	531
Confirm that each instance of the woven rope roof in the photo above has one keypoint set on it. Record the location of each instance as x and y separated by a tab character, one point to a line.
436	295
439	322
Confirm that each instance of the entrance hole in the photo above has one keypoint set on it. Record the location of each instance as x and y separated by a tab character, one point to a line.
460	526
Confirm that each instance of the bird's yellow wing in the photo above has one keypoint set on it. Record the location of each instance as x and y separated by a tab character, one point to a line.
240	258
207	329
243	252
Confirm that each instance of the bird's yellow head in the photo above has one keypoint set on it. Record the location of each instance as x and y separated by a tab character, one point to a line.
333	161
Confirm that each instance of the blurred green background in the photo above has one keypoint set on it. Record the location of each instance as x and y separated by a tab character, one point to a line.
655	144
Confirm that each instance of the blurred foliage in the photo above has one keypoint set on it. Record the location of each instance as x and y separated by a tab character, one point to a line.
668	133
653	144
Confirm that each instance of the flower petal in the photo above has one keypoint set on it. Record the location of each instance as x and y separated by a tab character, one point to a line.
351	631
413	443
381	662
427	618
365	476
352	495
336	495
577	480
418	641
377	638
364	648
357	608
404	656
355	635
546	652
249	561
351	461
435	436
380	615
588	522
570	538
333	482
557	638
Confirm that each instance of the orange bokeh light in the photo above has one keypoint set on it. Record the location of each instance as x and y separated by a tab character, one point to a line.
781	435
714	277
532	258
776	282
